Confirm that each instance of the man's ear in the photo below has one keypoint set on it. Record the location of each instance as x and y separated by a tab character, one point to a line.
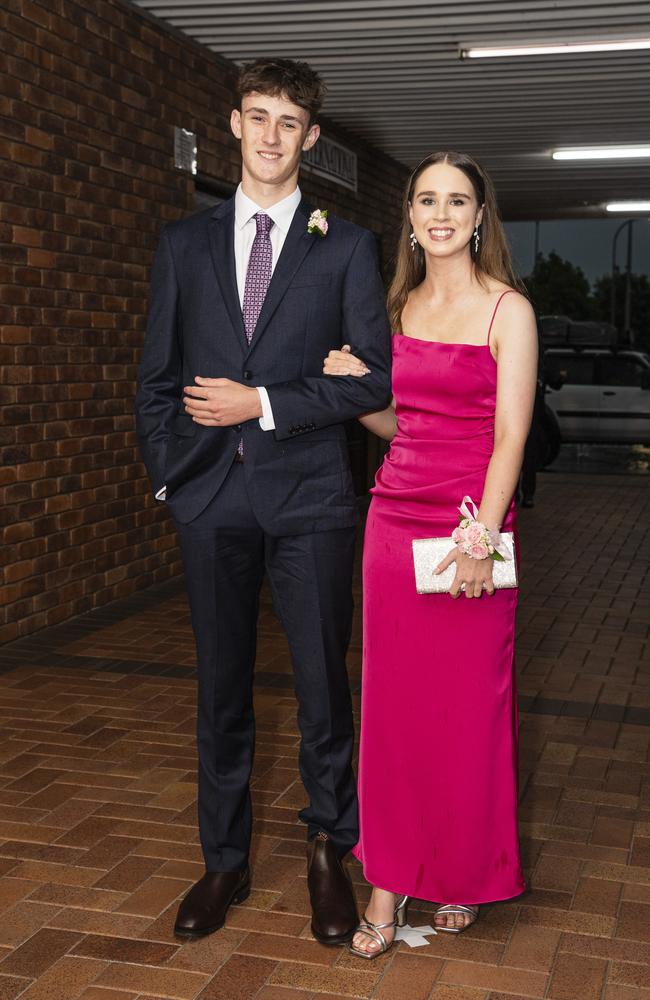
311	137
235	122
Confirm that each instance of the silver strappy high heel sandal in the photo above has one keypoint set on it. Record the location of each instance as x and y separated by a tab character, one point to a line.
452	909
373	931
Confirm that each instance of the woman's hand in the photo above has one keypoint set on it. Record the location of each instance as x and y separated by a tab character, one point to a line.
343	362
473	576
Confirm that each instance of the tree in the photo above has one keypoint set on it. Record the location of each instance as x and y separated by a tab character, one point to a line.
558	287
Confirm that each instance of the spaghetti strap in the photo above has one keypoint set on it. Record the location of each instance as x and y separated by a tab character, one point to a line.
503	294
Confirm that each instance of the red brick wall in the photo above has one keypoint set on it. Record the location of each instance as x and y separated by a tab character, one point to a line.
89	98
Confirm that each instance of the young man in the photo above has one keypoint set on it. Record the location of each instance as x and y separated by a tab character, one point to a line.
243	437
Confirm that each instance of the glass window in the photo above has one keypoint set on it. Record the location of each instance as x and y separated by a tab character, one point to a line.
570	369
621	371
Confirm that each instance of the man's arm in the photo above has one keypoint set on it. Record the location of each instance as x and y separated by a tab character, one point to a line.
159	376
306	404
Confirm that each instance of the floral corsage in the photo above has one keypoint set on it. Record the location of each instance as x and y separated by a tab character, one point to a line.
318	222
473	538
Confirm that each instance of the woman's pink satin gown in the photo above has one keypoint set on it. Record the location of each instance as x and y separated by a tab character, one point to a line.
438	759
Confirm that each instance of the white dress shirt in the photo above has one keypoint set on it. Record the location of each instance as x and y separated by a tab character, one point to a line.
282	214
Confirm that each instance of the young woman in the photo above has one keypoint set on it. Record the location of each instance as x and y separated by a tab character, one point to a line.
438	761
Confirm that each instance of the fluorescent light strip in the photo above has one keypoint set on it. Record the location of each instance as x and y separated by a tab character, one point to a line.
554	49
628	206
603	153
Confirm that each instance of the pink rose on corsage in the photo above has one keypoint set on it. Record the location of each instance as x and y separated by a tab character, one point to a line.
474	534
473	538
318	222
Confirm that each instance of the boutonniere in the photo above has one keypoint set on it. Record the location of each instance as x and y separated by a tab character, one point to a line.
318	222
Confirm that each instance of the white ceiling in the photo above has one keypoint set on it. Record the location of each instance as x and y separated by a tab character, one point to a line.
394	77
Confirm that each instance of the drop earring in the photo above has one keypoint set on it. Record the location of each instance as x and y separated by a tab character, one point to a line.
477	240
414	241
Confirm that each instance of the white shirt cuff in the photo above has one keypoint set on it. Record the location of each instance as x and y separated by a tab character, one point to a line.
161	494
267	423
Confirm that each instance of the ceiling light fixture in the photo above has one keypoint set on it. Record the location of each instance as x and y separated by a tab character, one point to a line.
550	49
603	153
628	206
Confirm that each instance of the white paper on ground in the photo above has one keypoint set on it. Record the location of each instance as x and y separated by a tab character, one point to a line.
414	936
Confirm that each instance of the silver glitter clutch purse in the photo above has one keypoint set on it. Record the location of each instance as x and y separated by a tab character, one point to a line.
429	552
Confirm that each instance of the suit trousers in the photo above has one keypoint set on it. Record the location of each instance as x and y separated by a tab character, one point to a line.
225	555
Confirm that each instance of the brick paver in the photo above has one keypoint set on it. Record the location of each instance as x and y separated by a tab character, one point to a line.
98	837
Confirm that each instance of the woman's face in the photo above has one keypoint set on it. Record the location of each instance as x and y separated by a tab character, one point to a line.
444	210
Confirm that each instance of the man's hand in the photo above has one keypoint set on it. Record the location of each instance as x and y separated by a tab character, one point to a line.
219	402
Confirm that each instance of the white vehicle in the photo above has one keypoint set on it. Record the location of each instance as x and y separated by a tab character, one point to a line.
599	394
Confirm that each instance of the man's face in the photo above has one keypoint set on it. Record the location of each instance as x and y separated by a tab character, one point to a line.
273	133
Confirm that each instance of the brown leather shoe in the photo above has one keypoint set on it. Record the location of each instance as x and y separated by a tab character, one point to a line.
204	908
334	910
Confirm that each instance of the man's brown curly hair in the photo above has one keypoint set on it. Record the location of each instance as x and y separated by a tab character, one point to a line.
296	81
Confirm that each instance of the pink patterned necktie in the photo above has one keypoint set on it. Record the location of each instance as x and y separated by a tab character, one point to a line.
258	274
258	279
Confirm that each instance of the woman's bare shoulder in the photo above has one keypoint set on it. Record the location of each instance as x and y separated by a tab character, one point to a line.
515	325
513	304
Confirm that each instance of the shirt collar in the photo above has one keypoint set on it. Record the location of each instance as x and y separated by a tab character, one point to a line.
282	212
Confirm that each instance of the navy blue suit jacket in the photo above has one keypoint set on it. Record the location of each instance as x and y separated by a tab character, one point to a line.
325	291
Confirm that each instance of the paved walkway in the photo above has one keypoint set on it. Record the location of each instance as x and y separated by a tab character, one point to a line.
98	838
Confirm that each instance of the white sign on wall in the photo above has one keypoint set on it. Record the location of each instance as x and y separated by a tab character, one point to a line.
330	159
185	150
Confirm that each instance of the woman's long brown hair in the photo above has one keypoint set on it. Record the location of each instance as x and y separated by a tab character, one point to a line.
493	259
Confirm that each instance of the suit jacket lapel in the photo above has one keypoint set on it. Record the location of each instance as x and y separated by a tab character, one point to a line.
297	245
221	227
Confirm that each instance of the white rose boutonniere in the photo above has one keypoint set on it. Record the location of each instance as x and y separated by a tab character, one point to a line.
318	222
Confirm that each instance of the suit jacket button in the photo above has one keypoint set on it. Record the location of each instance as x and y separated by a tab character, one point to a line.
248	375
238	427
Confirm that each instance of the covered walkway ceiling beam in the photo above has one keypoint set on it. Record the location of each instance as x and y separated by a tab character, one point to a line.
395	78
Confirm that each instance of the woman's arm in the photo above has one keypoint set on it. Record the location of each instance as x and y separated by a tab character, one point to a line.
383	423
516	347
